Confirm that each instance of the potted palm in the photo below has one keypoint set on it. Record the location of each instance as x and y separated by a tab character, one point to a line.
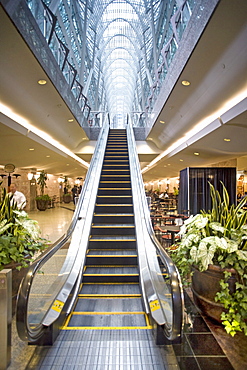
213	252
19	241
42	200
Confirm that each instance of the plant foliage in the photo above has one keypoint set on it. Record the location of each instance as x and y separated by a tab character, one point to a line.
219	237
19	235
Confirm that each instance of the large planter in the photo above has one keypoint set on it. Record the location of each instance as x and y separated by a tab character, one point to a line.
67	198
17	277
205	285
42	204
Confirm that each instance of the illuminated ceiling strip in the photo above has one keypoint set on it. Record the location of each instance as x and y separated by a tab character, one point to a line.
183	141
43	135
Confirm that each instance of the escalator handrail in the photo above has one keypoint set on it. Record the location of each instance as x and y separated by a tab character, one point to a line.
175	281
24	331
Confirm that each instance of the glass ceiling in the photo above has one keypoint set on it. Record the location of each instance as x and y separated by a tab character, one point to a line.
115	54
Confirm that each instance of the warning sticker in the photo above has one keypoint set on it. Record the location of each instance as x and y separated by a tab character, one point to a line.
57	305
154	305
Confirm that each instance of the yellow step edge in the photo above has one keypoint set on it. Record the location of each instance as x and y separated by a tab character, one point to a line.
108	296
111	266
113	283
148	326
120	275
112	255
115	205
112	240
114	214
114	196
76	313
106	328
113	226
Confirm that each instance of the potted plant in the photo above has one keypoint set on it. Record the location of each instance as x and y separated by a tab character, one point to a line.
42	200
213	251
19	240
66	196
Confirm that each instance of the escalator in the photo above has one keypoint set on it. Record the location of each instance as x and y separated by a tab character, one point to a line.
110	295
114	275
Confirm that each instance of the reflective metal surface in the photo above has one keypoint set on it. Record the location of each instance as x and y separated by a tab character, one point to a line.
160	279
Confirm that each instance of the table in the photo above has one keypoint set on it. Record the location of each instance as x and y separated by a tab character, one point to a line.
173	229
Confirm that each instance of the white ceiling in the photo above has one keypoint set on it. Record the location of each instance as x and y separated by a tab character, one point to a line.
217	71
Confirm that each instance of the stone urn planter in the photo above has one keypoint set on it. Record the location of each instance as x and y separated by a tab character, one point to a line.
204	287
17	276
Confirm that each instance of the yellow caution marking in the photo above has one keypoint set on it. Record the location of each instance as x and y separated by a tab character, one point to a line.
57	305
127	283
110	296
106	328
106	313
113	226
154	305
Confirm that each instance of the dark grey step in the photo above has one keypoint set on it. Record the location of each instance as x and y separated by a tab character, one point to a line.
114	208
108	289
107	320
117	260
113	241
113	230
113	199
110	304
116	218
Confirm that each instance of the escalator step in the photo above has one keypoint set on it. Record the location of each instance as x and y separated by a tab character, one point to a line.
112	252
111	260
103	304
106	320
108	289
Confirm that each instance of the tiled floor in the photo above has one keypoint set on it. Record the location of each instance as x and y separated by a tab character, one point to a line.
199	349
205	344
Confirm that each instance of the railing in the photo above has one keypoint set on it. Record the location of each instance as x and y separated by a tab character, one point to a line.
173	34
160	279
52	281
46	21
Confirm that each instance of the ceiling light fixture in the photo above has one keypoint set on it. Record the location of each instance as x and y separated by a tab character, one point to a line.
70	120
162	122
185	83
41	134
42	82
31	149
226	139
196	153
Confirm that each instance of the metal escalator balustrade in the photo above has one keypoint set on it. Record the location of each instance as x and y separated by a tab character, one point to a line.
159	277
50	286
110	295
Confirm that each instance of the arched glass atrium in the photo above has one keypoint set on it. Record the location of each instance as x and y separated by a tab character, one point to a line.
114	54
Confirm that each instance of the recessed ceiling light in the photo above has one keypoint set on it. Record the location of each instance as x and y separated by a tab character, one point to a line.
67	164
48	156
31	148
226	139
181	160
70	120
42	82
162	122
196	153
185	83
